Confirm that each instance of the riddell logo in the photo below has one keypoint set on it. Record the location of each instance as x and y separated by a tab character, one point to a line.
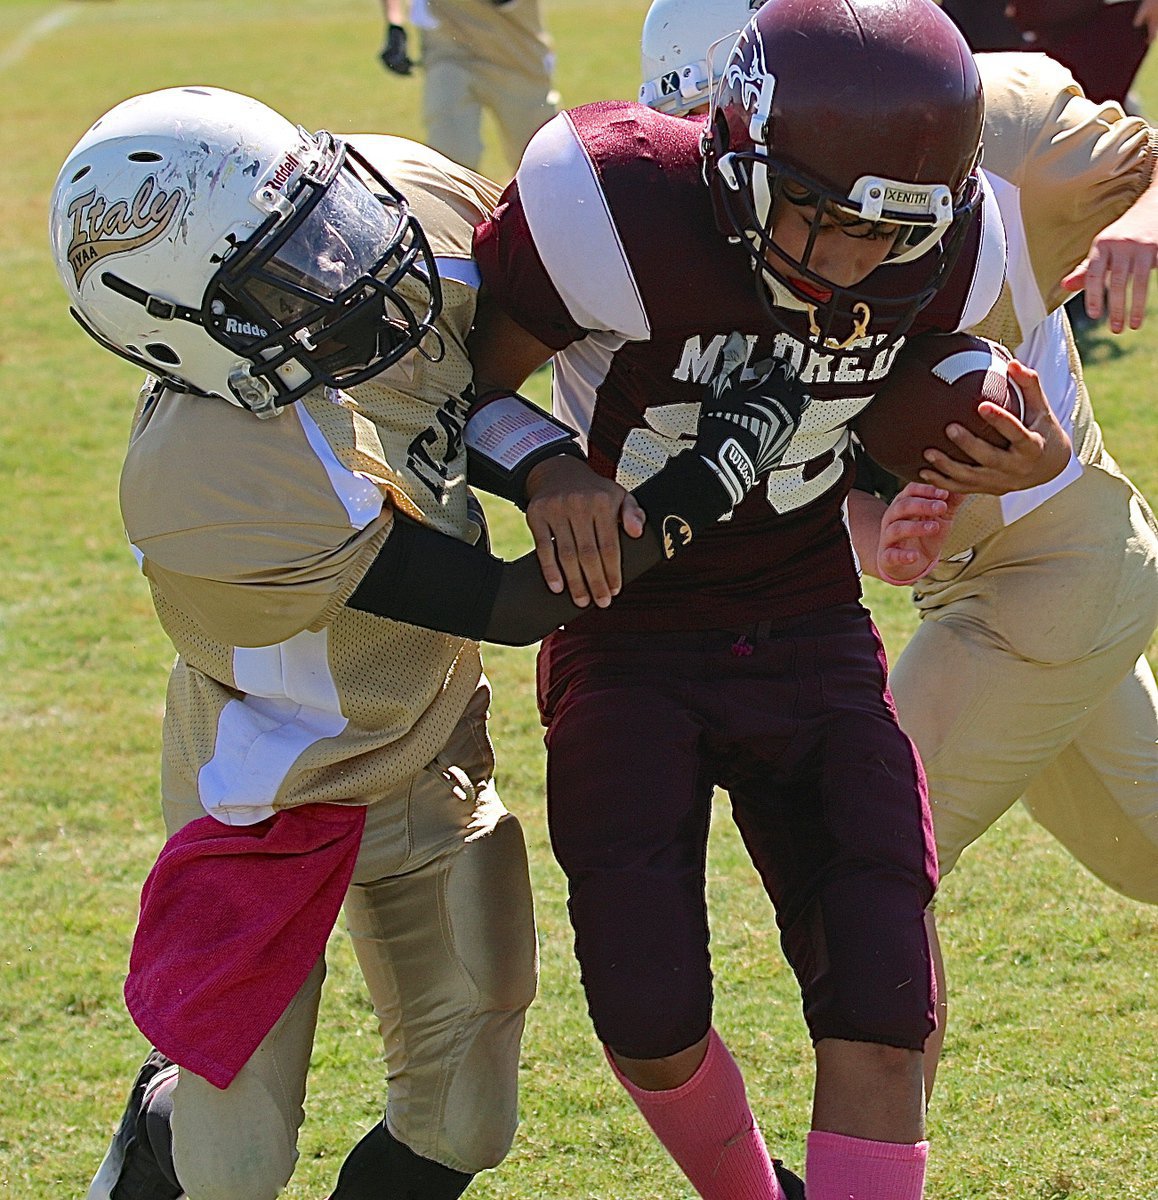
245	328
101	228
284	172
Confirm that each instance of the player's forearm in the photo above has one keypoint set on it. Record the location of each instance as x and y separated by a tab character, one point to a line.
438	582
864	524
429	579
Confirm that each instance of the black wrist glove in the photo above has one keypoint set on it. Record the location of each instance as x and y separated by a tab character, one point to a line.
394	55
744	430
746	425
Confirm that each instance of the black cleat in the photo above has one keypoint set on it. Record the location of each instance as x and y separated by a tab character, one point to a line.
792	1185
129	1170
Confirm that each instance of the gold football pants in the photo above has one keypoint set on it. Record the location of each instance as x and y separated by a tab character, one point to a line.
1026	679
441	920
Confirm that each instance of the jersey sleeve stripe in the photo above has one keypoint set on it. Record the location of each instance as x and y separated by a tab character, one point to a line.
989	271
360	498
569	220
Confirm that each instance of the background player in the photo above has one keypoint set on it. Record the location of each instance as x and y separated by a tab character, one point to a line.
477	55
1102	43
1045	600
395	52
684	48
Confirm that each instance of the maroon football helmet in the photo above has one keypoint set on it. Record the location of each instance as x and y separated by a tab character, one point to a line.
869	110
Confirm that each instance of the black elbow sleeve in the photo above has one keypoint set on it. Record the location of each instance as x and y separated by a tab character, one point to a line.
426	578
437	582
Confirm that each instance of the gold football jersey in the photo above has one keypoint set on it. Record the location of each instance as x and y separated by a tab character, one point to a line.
1063	168
254	533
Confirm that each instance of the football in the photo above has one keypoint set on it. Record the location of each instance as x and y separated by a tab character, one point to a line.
937	380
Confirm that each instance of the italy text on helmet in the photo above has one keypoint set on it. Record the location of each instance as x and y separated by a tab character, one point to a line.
100	228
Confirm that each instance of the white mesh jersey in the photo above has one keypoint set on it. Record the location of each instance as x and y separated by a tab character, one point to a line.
253	534
1062	168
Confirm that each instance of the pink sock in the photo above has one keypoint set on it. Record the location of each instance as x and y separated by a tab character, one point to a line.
848	1168
708	1128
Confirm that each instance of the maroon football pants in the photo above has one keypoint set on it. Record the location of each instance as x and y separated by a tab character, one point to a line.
797	725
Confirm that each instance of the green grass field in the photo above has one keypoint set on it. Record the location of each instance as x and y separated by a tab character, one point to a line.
1049	1086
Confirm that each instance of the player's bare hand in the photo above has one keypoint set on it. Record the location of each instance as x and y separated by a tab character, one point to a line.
913	530
1147	15
1038	449
1116	271
574	516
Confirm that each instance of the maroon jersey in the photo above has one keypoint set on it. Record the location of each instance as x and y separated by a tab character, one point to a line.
605	248
1103	49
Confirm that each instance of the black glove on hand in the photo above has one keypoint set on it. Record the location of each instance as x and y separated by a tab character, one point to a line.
393	55
744	430
746	425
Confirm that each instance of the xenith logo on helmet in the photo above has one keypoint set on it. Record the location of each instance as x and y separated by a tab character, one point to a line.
904	196
100	228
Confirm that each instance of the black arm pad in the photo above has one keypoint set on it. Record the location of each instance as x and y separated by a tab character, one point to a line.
506	435
430	579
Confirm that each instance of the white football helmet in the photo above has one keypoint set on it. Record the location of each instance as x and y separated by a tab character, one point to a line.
204	237
684	50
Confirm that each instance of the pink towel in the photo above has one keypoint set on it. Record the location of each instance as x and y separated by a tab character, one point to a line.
233	919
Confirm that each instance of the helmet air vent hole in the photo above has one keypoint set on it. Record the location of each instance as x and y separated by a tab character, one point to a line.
81	174
159	352
144	156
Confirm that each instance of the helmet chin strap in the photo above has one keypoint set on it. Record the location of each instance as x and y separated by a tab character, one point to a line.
256	395
783	297
862	315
